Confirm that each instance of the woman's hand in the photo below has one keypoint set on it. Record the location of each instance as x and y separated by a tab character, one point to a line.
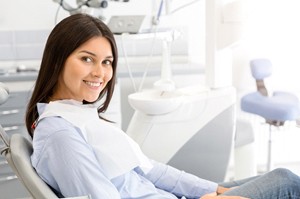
221	190
215	196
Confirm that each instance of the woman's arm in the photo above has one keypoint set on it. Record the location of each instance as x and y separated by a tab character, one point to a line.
178	182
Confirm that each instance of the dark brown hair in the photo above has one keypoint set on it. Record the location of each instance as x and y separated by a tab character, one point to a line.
66	37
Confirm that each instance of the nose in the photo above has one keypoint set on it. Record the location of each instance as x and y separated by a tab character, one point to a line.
98	71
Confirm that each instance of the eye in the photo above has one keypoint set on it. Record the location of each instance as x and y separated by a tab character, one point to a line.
107	62
87	59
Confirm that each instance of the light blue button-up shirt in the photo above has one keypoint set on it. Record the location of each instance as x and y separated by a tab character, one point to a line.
66	162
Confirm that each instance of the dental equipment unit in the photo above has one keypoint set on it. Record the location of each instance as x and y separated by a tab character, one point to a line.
188	128
193	128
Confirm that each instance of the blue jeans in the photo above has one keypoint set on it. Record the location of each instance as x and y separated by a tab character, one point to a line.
277	184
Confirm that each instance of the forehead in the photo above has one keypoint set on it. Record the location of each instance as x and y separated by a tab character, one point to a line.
96	44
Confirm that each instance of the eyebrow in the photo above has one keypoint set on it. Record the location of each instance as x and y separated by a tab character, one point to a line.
93	54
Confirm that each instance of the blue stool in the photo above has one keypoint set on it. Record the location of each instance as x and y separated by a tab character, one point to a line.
276	108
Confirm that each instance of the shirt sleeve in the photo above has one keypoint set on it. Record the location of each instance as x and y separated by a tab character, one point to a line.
178	182
68	164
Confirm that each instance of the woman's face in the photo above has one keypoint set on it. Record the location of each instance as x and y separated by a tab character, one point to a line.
86	71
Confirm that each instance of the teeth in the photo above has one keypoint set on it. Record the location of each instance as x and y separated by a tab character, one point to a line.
93	83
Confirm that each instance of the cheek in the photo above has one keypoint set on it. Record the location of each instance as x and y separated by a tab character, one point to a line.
70	69
71	77
109	75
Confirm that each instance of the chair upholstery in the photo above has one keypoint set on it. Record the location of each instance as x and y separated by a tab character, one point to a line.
280	107
275	108
17	152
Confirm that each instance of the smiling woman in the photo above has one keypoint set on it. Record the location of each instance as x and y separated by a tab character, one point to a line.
78	47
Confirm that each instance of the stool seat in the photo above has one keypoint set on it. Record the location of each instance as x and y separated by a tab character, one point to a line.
281	106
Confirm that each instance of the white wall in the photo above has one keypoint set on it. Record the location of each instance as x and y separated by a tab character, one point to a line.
29	14
272	31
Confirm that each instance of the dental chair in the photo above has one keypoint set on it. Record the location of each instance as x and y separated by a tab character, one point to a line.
17	150
276	109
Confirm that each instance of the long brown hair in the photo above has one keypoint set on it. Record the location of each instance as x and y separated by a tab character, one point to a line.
67	36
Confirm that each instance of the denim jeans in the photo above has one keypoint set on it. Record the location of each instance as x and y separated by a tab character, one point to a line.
276	184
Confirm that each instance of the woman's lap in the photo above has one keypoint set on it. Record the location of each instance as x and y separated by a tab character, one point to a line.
279	183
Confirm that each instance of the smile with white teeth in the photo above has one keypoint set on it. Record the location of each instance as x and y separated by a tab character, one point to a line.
93	83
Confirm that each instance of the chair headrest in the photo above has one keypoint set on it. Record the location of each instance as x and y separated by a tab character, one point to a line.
261	68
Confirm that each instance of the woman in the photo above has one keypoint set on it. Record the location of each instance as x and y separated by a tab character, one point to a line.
77	152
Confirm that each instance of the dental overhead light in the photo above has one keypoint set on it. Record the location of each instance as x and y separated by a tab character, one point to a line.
81	5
